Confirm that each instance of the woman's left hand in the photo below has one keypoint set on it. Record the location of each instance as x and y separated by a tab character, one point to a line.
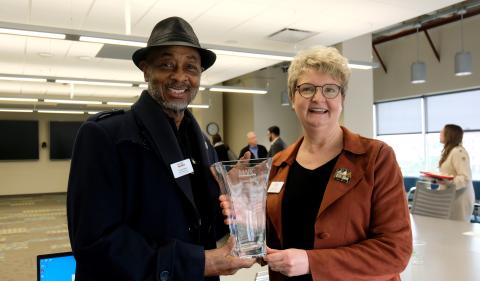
289	262
444	182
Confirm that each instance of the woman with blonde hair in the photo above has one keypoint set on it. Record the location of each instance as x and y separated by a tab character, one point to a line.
454	161
336	209
341	213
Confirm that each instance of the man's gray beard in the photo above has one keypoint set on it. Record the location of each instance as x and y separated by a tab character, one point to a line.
176	107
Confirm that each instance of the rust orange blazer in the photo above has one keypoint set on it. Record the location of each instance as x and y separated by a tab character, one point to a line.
362	230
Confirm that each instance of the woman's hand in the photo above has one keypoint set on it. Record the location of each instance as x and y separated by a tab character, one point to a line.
444	182
289	262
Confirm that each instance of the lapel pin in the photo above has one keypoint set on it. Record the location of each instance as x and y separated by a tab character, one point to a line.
343	175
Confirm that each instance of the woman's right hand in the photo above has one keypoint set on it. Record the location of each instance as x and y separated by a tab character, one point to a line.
289	262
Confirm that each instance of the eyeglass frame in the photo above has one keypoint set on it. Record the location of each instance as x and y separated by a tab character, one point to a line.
340	90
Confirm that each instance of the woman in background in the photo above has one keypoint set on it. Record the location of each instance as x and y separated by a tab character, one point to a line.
455	162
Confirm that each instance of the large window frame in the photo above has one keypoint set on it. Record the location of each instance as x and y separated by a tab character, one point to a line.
412	146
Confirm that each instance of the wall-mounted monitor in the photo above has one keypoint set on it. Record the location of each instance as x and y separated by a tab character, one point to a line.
18	140
62	138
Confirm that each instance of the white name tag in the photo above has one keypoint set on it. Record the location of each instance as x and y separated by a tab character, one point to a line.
181	168
275	187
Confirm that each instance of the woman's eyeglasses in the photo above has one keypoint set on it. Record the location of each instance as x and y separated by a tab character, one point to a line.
329	91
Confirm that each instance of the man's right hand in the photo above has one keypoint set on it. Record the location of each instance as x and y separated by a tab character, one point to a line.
221	262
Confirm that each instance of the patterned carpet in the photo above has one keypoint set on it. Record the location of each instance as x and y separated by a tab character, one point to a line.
37	224
29	226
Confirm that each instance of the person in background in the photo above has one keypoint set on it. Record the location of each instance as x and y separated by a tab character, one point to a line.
454	161
142	201
223	151
276	142
256	150
340	212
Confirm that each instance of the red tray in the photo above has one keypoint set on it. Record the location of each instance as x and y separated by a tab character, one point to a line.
436	176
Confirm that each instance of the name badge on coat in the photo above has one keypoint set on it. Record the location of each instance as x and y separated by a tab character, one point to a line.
181	168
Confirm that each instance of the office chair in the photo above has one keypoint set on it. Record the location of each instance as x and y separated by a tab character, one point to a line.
432	203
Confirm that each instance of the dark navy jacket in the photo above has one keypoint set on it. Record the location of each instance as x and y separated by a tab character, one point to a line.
128	217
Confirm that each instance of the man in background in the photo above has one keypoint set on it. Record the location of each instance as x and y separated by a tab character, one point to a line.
276	143
256	150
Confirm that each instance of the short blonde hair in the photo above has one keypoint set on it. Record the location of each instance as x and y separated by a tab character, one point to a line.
325	59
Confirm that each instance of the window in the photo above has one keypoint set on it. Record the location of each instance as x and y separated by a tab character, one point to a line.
412	130
399	117
408	151
456	108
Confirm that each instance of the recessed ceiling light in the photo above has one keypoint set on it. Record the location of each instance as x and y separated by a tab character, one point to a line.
19	99
45	54
15	110
237	90
60	111
72	101
85	58
32	33
112	41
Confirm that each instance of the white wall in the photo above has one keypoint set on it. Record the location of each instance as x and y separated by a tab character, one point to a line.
400	53
358	106
238	119
246	112
213	114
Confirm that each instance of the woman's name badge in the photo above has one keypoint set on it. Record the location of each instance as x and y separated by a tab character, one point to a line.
275	187
181	168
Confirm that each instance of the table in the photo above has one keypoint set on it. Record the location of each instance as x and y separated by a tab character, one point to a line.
451	250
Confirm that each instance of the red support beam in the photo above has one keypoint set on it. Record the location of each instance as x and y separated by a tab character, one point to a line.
437	55
379	58
428	25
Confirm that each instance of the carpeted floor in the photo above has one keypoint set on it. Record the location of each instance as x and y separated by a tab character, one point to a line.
29	226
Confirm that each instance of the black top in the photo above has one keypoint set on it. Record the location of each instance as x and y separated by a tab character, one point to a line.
303	194
222	152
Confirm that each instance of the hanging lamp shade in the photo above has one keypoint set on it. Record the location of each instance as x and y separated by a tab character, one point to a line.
463	63
418	72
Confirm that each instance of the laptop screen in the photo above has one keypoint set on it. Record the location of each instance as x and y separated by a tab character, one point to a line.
56	267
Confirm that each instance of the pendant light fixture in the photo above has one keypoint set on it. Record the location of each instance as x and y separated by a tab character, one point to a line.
463	60
418	69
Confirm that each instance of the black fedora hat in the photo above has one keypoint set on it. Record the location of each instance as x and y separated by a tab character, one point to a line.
174	31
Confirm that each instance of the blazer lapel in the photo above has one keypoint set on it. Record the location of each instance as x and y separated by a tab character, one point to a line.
347	172
155	122
344	177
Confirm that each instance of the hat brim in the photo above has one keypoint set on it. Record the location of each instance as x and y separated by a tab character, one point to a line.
207	57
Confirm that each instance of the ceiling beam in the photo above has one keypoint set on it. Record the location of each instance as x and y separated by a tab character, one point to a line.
427	25
435	52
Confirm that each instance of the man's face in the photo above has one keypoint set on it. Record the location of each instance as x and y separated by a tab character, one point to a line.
270	136
252	139
173	76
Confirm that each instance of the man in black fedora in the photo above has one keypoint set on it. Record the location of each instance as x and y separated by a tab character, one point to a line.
142	203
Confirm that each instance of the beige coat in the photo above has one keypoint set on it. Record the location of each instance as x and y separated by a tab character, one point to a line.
362	230
457	164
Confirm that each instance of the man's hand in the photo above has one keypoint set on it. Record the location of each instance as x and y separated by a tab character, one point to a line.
226	209
289	262
221	262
